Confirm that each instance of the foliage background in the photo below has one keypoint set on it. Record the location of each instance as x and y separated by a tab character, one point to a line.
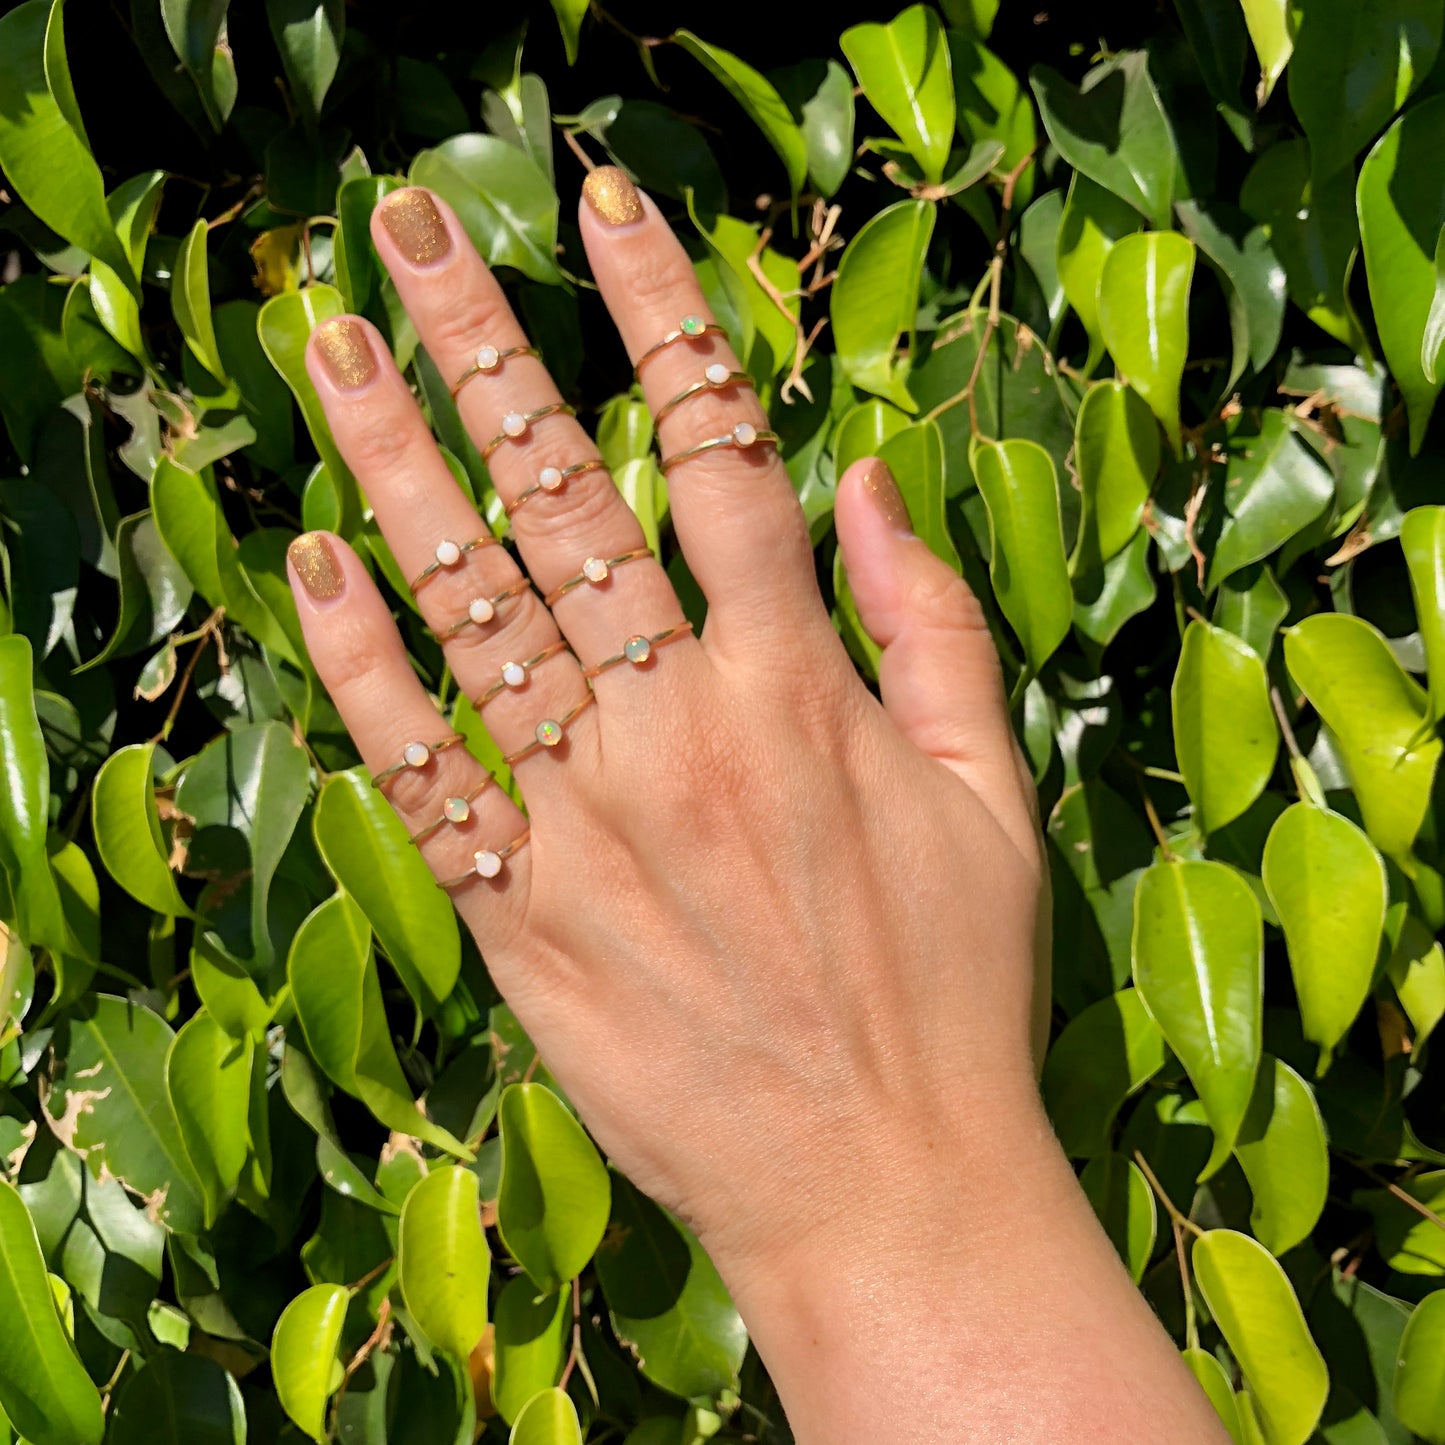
1217	589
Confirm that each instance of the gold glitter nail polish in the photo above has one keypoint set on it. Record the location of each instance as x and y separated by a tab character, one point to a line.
414	223
344	350
612	196
879	484
316	566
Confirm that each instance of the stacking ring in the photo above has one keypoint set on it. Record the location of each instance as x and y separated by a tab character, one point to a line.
716	378
553	479
455	811
486	862
742	436
448	554
515	424
514	674
415	755
638	649
690	328
551	731
488	358
483	609
595	570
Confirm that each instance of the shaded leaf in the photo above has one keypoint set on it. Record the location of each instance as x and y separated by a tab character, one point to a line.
1420	1376
128	829
208	1078
1121	1197
1282	1150
531	1344
1116	457
1422	536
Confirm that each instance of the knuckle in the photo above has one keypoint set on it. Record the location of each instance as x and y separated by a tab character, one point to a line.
663	287
589	508
520	627
379	443
943	600
457	322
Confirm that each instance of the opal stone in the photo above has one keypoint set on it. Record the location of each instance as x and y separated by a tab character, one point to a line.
481	610
549	733
594	569
514	674
487	863
637	650
415	755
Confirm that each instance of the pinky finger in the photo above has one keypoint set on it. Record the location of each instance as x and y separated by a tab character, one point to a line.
359	657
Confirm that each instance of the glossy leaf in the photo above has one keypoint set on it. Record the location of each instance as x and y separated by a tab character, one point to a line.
1121	1197
128	830
1215	1383
208	1077
1026	562
1144	318
1416	969
1225	735
875	299
1256	1310
308	34
1329	888
1283	1152
1105	599
825	104
993	104
531	1343
191	300
549	1418
1116	457
1407	1240
443	1261
196	30
914	454
1251	604
553	1197
304	1363
179	1399
1269	29
1420	1374
904	69
1422	536
1094	220
1375	712
1198	966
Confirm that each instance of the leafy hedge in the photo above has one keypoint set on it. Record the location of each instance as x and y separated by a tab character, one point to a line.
1154	351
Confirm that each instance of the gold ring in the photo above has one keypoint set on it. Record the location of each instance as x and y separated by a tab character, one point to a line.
448	554
595	570
455	811
638	649
742	436
483	609
690	328
551	731
488	358
415	755
486	862
514	674
716	378
553	479
516	424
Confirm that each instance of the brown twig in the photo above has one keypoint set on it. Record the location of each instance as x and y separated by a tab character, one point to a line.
209	629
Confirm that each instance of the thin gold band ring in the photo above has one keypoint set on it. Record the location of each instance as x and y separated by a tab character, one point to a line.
416	755
638	649
741	437
516	424
486	862
455	811
716	378
489	359
553	479
690	328
595	570
448	554
551	731
483	610
514	674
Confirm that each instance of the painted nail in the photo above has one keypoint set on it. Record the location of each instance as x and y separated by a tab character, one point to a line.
345	353
612	196
414	223
879	484
316	566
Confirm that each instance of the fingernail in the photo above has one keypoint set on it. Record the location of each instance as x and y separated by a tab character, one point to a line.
345	352
879	484
316	565
414	223
612	196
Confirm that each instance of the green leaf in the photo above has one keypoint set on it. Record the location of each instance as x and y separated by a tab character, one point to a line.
531	1344
1354	67
549	1418
1116	457
1094	220
905	71
915	456
759	99
365	845
1407	1240
993	105
1198	964
1121	1197
1420	1375
570	15
304	1364
1270	30
1254	1306
1275	486
113	1107
1144	318
208	1078
552	1201
1402	209
875	299
178	1399
1215	1383
1107	1052
1328	886
191	300
667	1300
308	34
1113	129
1422	536
1416	969
1251	605
196	30
337	994
1225	735
1376	713
128	830
1282	1150
503	198
44	1390
822	94
1026	561
443	1261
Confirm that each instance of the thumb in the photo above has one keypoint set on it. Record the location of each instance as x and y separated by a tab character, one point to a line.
940	676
